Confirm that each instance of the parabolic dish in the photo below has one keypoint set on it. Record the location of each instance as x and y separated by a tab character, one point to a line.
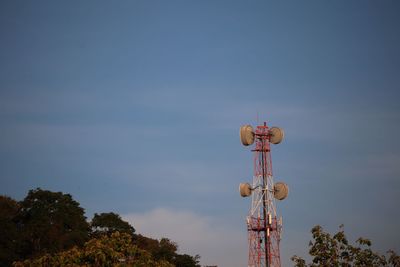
281	190
245	189
277	135
246	135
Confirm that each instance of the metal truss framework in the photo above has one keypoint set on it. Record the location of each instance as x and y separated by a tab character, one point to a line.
264	229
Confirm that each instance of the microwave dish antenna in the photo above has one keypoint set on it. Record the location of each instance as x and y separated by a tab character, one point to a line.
245	189
281	190
276	135
246	135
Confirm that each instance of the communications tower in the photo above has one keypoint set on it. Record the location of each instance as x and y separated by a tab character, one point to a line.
263	226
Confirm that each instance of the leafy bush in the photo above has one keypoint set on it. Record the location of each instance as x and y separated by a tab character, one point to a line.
327	250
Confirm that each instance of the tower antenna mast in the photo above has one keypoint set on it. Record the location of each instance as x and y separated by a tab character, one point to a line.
263	226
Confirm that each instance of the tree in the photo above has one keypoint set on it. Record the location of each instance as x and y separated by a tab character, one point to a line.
116	249
50	229
9	209
107	223
165	249
50	222
146	243
327	250
187	261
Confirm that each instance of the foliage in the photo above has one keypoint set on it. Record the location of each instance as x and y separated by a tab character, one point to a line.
114	250
146	243
187	261
107	223
50	229
9	209
165	249
50	222
327	250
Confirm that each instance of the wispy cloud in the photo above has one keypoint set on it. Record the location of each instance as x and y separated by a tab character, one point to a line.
218	242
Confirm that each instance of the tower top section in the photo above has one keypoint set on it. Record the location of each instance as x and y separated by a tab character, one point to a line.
247	134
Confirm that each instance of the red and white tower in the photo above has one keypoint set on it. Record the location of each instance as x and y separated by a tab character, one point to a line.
263	226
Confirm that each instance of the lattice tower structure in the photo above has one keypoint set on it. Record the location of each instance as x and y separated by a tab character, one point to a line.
264	229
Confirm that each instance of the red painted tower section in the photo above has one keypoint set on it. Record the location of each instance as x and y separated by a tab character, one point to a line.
263	226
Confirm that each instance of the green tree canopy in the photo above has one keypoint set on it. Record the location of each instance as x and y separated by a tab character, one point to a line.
328	250
187	261
50	222
49	229
114	250
166	250
9	209
107	223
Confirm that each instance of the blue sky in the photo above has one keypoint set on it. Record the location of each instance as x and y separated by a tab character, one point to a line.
135	107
